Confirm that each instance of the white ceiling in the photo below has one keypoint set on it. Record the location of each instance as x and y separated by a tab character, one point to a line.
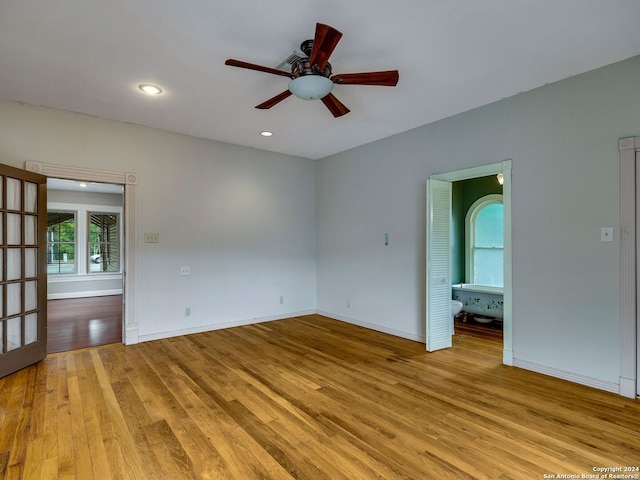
89	56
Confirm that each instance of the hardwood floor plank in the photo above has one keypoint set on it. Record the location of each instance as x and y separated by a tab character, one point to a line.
304	398
119	444
35	430
88	393
66	460
49	434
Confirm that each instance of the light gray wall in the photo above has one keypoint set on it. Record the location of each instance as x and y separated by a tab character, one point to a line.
562	139
242	219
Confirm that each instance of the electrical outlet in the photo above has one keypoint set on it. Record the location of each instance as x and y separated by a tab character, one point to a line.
187	311
348	303
185	271
281	299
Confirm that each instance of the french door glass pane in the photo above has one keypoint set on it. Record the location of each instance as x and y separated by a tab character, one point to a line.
14	333
30	197
14	305
30	230
30	295
14	228
31	328
14	193
1	190
30	262
1	338
14	263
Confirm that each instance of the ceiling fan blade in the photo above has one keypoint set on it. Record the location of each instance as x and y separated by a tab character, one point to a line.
387	78
335	106
259	68
324	42
274	101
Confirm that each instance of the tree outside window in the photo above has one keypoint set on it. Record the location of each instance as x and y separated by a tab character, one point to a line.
61	243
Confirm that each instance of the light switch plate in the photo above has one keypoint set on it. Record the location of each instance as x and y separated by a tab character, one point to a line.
151	238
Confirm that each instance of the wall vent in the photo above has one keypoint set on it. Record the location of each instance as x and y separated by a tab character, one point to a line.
288	62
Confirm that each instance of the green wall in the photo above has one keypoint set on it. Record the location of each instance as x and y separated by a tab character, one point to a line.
463	194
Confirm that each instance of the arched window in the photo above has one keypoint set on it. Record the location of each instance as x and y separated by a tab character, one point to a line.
485	242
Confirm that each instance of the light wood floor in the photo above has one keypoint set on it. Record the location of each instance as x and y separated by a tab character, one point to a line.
304	398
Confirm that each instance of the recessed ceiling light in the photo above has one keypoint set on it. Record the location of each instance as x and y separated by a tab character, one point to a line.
82	185
266	133
150	89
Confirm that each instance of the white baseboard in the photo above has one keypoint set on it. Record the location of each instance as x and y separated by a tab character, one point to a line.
131	335
507	357
220	326
92	293
373	326
564	375
628	387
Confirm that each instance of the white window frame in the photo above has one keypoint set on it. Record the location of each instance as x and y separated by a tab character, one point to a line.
87	240
75	240
470	221
82	241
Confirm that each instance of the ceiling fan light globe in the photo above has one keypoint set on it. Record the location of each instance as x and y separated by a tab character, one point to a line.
311	87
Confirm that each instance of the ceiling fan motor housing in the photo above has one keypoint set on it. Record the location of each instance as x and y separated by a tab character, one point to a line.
307	47
303	67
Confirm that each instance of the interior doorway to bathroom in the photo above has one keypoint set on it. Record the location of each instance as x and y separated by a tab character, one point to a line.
440	258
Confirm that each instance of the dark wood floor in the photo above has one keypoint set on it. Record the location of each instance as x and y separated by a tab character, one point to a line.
76	323
470	327
305	398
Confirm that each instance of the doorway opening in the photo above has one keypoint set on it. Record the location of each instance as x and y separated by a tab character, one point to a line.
443	268
84	244
477	255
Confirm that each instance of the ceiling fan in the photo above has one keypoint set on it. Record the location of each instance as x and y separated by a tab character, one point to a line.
311	77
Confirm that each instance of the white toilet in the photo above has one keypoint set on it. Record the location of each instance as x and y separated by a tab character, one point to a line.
456	306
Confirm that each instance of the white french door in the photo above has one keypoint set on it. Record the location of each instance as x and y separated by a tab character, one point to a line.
23	283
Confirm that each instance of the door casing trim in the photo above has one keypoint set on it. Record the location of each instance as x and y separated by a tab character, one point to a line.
129	180
503	167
